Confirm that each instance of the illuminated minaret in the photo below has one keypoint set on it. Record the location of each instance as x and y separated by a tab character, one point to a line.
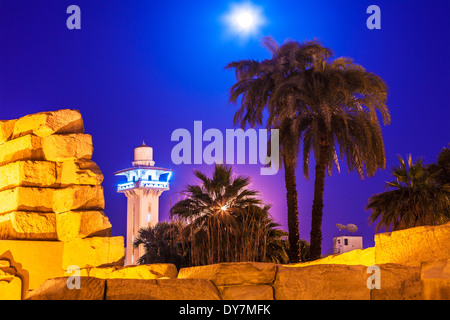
144	185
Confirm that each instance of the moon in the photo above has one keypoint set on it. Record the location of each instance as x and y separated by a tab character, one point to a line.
244	20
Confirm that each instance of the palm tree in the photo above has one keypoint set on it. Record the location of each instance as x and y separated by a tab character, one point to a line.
162	243
336	104
415	199
256	82
225	220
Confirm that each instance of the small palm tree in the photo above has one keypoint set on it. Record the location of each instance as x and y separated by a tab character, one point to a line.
162	243
225	220
415	199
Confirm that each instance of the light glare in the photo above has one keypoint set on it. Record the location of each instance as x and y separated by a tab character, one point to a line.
244	20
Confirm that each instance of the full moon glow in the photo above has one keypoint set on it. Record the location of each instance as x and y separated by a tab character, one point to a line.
244	19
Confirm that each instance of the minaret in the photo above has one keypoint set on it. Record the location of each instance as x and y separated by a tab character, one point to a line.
144	185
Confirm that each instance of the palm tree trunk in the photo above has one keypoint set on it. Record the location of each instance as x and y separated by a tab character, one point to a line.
317	208
292	208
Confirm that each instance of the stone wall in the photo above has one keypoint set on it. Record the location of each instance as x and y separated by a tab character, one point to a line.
51	198
333	278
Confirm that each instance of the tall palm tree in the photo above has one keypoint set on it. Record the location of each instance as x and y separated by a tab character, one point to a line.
225	220
256	82
336	104
414	199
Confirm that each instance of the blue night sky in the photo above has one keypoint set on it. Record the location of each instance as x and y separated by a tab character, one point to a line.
144	68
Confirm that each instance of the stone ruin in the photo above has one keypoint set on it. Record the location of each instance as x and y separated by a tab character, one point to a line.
51	198
51	217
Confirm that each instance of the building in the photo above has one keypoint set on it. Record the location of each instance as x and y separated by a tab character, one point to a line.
347	243
144	185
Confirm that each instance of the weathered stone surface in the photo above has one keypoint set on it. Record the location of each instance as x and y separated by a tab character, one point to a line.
6	129
28	174
58	147
412	246
10	289
398	282
250	292
65	226
38	260
77	197
226	274
146	271
43	124
161	289
57	289
435	277
61	147
80	171
49	174
321	282
364	257
95	251
28	225
80	224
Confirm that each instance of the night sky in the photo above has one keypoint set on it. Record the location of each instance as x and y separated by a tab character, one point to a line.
144	68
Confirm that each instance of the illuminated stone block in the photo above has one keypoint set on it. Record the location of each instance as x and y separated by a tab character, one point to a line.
80	224
43	124
52	200
233	273
42	260
435	277
57	289
58	147
50	226
78	197
80	171
49	174
251	292
411	247
10	287
28	225
161	289
95	251
6	130
28	174
146	271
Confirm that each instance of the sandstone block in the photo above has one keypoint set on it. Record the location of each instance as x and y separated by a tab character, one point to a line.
19	225
28	174
38	260
43	124
226	274
161	289
28	225
49	174
435	277
321	282
364	257
58	147
398	282
93	252
57	289
79	171
61	147
78	197
146	271
411	247
80	224
251	292
10	289
52	200
6	130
